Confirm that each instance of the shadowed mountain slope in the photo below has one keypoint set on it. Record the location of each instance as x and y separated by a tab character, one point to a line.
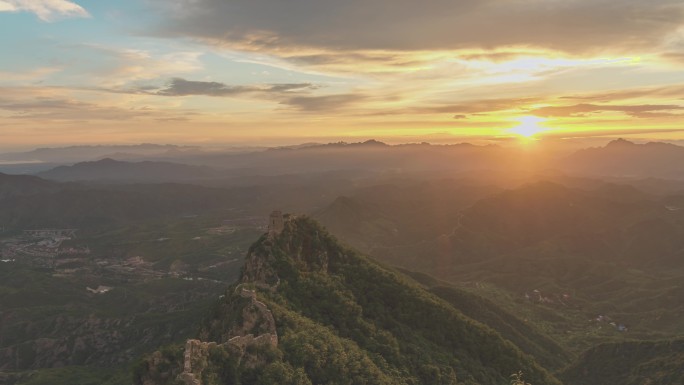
622	158
629	363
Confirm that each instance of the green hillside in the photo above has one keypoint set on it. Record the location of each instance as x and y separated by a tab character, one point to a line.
340	319
563	270
629	363
524	335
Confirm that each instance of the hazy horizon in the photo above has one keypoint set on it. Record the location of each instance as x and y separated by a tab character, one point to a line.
576	143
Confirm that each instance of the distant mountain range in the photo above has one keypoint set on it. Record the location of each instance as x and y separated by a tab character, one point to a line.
462	223
110	170
651	165
622	158
18	185
81	153
29	201
367	157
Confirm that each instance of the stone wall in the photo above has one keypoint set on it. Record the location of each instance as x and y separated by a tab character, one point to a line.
196	352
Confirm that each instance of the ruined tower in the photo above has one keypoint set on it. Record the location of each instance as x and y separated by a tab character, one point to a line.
275	223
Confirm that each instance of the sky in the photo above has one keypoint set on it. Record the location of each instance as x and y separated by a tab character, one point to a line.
215	72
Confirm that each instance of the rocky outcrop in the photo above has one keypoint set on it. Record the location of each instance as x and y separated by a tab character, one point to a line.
297	240
258	269
257	317
195	355
257	329
243	325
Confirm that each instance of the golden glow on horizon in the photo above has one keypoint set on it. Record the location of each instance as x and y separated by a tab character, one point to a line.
529	126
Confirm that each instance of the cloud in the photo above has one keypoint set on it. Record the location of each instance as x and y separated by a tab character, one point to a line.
476	106
41	104
674	57
182	87
500	56
328	58
112	67
107	66
584	109
607	133
53	105
31	75
406	25
368	61
463	110
46	10
324	102
667	92
62	109
527	106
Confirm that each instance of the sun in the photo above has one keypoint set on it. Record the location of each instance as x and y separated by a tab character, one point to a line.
529	126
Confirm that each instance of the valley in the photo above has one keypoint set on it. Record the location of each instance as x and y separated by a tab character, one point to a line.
90	305
551	274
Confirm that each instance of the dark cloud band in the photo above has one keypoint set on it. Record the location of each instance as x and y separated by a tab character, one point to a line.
182	87
406	25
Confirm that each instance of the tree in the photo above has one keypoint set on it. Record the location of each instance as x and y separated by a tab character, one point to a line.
517	379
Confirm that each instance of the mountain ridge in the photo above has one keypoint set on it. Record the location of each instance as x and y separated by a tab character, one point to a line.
324	296
622	158
108	169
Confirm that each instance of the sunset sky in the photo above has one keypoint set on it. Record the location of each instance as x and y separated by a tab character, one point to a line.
273	71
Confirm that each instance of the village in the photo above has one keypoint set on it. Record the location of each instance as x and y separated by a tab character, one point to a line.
45	249
536	296
62	253
40	247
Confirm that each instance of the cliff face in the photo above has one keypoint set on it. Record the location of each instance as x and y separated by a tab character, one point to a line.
259	267
300	243
235	338
310	311
242	314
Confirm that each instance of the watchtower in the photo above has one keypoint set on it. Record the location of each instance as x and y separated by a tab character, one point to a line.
275	223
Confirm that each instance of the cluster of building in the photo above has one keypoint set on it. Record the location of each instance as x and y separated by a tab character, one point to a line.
39	247
605	319
46	248
537	296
